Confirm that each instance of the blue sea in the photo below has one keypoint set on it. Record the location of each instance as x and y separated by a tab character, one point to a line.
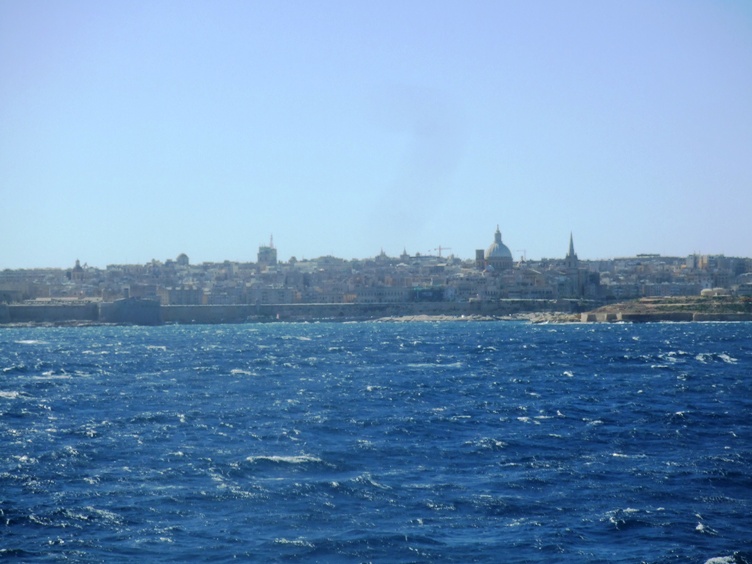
377	442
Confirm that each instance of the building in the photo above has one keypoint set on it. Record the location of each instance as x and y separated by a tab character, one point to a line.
498	257
77	274
267	255
571	262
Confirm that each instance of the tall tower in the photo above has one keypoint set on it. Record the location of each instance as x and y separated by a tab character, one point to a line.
571	261
267	256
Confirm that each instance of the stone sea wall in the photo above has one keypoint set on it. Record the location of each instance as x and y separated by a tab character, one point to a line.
150	312
52	313
350	311
677	316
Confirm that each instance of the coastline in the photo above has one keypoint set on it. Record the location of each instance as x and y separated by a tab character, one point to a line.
150	312
534	318
528	317
673	309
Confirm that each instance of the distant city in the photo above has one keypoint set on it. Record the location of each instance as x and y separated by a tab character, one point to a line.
493	274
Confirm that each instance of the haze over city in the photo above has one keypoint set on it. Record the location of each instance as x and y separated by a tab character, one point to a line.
139	130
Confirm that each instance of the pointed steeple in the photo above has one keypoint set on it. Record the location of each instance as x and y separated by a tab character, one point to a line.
571	259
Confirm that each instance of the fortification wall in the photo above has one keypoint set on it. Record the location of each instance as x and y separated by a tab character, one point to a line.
52	313
131	310
676	316
722	317
206	313
658	316
150	312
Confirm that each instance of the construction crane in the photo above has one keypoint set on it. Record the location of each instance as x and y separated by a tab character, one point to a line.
524	253
440	248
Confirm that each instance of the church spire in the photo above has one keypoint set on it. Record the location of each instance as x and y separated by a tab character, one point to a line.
571	259
571	245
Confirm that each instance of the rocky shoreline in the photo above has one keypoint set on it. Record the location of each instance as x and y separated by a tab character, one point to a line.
529	317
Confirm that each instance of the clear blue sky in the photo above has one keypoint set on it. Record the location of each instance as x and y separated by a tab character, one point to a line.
133	130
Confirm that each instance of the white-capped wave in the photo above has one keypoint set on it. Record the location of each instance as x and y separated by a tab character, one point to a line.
104	514
620	517
487	443
439	364
9	395
367	479
297	459
50	376
294	542
703	528
674	356
709	357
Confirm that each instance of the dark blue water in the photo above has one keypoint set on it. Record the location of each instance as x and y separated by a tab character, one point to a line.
456	442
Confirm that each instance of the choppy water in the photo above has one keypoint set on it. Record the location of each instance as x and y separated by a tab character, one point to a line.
457	442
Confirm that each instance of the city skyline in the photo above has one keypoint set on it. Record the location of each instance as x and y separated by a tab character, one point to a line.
439	252
139	131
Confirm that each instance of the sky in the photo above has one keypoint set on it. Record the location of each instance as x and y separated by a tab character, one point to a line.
140	130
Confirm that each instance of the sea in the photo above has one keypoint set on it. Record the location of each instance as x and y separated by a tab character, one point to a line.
377	442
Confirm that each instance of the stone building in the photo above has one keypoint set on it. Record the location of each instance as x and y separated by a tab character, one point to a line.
267	255
498	257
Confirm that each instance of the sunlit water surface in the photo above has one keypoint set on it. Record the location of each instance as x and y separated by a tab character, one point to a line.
390	442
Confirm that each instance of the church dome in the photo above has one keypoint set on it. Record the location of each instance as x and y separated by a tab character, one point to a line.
498	250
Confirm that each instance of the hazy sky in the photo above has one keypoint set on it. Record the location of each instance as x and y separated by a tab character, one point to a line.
144	129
